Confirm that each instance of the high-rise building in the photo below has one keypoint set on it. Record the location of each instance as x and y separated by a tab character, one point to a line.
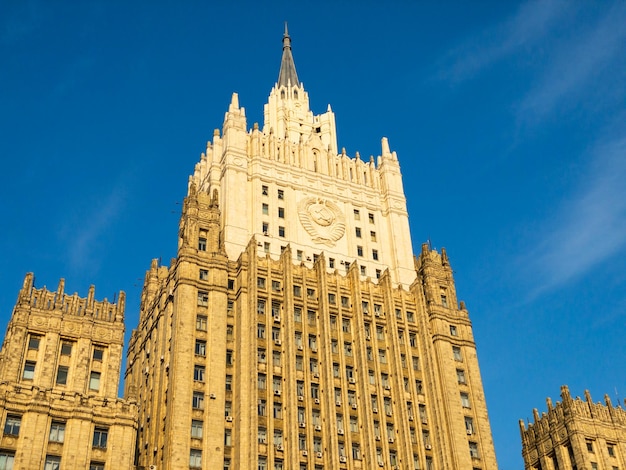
296	329
59	377
575	434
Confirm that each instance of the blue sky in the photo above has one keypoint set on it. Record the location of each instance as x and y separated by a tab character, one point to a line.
509	120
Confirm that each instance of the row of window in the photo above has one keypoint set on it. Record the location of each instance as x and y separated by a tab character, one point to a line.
13	423
62	375
34	341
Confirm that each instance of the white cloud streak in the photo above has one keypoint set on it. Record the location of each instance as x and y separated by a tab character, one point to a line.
588	229
528	26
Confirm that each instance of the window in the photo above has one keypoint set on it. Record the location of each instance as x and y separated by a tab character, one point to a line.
465	402
281	194
229	383
276	358
231	284
456	353
228	408
198	373
262	382
260	282
202	244
62	375
262	408
413	340
281	231
228	438
453	331
370	216
266	247
345	302
444	300
261	357
469	425
265	228
200	349
195	458
297	314
6	460
347	349
265	209
313	343
363	270
261	435
345	325
33	342
473	448
331	263
335	370
100	436
281	212
57	431
297	291
380	333
410	317
419	387
357	214
264	190
276	286
384	380
229	332
262	463
589	444
66	348
358	232
416	363
278	411
382	356
610	449
203	274
53	462
260	307
96	465
354	424
460	376
12	425
203	298
278	437
372	377
310	294
94	381
29	370
332	299
230	358
201	322
197	401
196	429
375	255
359	250
299	363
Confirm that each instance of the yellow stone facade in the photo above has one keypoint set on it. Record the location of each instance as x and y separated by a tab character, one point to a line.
295	329
575	434
59	377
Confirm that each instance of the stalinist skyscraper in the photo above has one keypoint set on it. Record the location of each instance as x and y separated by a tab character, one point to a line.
296	329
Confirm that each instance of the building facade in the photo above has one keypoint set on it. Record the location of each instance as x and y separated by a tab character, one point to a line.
59	376
296	329
575	434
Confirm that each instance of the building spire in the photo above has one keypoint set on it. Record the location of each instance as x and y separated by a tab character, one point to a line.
287	72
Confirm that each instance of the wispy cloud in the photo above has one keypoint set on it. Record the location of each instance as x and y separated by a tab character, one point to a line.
589	228
577	61
528	26
84	242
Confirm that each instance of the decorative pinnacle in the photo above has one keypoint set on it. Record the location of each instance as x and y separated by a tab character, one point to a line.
287	75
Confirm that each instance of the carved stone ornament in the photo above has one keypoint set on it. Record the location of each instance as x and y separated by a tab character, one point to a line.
322	219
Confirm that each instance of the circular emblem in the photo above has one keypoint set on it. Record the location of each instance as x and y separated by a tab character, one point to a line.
322	220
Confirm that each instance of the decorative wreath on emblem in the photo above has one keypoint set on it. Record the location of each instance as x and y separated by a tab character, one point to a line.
322	219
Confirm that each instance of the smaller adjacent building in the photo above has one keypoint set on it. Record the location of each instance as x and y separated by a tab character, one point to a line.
575	434
59	376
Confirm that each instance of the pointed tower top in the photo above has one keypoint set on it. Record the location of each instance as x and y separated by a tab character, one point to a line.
287	74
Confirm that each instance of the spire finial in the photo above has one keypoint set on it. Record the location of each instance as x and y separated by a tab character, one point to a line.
287	72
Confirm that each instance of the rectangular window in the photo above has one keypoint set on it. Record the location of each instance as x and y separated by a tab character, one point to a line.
359	250
261	436
203	275
345	325
262	382
95	465
12	425
66	348
228	438
276	286
62	372
382	356
297	314
357	214
281	194
375	255
260	282
6	460
281	212
197	401
297	291
453	331
465	402
201	244
373	236
265	209
456	353
410	317
331	263
261	408
281	231
266	247
347	349
460	376
53	462
195	458
29	370
469	425
277	411
57	431
200	348
100	436
198	373
203	298
473	448
332	299
196	429
413	340
276	358
94	381
201	322
33	342
264	190
358	232
310	294
380	333
370	216
230	358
